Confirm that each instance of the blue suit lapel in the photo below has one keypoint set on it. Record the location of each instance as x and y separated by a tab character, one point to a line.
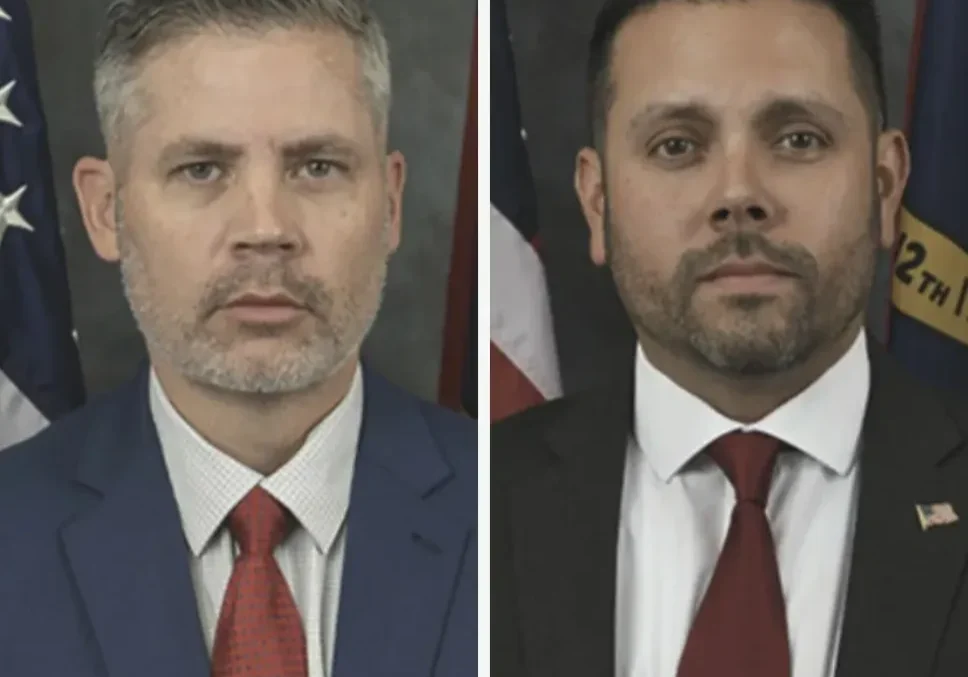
127	551
402	555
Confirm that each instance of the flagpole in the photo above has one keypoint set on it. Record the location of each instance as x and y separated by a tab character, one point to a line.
912	76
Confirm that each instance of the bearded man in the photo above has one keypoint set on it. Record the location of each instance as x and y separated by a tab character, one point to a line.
765	493
255	502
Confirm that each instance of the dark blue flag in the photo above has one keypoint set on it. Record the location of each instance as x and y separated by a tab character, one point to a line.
929	316
40	373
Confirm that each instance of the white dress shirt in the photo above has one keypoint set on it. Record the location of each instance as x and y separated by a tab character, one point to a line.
676	508
314	485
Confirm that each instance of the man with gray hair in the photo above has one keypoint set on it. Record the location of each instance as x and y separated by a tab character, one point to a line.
255	502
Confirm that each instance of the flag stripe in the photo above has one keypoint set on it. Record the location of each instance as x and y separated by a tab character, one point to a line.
20	418
516	391
521	324
458	370
524	368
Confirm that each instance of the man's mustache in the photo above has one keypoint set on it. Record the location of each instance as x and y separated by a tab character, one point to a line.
310	292
793	258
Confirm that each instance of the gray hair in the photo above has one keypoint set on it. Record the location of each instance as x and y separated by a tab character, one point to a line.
136	27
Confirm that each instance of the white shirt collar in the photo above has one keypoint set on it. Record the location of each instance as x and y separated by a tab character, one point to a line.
314	484
671	425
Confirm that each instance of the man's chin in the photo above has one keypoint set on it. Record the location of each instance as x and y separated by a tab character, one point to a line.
258	381
255	367
736	304
743	341
753	314
747	353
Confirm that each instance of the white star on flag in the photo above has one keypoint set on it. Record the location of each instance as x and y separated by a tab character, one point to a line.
6	115
10	216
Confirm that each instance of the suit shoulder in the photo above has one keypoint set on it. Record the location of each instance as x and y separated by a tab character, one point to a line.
455	439
458	427
52	451
921	405
519	442
455	434
527	426
36	474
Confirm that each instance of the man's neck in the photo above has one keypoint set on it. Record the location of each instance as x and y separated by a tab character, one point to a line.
261	432
747	399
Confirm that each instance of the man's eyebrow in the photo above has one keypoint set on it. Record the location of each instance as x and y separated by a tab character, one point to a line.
326	144
687	111
777	110
783	109
188	147
197	147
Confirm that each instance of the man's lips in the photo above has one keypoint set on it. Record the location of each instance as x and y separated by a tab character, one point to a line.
738	269
264	301
265	309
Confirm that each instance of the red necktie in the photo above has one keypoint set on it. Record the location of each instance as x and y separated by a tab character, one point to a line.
741	629
259	631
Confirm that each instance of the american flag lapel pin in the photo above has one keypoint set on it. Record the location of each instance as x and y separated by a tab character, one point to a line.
935	515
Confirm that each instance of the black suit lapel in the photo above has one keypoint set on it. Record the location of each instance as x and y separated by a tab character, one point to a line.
903	579
565	534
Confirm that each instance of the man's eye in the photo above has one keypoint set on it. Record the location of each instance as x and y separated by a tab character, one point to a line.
675	147
201	172
317	169
800	141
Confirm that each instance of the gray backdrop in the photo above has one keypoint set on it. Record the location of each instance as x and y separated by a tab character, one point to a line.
550	41
430	42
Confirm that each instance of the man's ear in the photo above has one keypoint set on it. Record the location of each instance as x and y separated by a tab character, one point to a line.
396	180
590	187
94	186
891	173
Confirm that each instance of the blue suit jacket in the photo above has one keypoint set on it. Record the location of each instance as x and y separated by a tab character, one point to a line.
94	567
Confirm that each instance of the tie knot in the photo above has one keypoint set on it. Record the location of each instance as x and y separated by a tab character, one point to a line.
259	523
748	460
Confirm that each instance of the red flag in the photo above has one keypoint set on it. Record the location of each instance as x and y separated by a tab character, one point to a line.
458	372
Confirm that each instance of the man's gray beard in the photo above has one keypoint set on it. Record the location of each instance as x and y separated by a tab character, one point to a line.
823	312
185	344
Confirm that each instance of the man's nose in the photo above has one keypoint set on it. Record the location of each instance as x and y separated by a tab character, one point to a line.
267	224
743	199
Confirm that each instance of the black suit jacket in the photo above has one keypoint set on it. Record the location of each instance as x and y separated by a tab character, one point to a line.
556	482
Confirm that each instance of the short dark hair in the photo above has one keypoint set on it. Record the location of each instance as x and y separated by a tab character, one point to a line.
859	17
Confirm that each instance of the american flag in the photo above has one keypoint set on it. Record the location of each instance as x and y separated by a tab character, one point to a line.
936	514
40	373
524	362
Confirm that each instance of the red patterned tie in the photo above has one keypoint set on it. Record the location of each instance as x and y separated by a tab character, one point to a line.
741	629
259	632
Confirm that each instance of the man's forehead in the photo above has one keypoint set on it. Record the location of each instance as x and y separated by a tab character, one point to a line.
294	62
717	45
275	93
